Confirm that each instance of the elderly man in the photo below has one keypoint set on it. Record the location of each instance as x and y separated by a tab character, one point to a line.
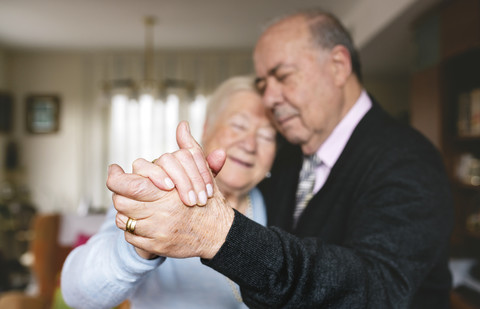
359	211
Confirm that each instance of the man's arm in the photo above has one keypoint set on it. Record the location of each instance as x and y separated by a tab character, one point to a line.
397	231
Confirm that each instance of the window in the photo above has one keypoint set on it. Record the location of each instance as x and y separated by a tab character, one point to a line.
145	128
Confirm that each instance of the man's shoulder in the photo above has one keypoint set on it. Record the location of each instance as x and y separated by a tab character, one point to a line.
380	128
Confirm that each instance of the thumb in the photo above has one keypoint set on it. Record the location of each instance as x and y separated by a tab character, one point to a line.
185	139
216	159
115	170
132	186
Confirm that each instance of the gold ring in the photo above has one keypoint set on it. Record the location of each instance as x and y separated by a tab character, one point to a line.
131	223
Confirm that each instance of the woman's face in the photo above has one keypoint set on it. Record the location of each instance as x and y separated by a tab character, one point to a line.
245	133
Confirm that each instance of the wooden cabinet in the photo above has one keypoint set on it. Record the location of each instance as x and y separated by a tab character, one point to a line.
435	110
460	76
443	91
459	26
425	110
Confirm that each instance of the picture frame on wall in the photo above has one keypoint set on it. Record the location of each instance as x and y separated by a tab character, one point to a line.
43	114
6	112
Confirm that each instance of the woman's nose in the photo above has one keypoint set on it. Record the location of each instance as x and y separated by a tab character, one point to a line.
249	142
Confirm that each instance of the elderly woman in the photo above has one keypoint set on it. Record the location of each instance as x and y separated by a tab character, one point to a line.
107	269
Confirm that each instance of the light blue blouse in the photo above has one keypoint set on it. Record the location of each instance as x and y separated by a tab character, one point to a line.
107	270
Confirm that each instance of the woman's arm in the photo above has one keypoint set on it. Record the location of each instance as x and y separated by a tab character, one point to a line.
105	271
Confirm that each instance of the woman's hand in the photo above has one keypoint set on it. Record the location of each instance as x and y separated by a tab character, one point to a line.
186	169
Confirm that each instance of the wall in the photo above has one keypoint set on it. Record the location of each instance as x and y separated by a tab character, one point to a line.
3	70
52	162
67	169
3	87
392	93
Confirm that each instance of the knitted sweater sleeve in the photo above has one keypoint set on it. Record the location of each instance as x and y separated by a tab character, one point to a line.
104	271
397	230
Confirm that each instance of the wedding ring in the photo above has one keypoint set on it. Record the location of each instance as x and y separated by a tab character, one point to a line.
131	223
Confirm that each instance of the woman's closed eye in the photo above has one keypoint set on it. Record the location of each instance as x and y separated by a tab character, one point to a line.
266	135
239	125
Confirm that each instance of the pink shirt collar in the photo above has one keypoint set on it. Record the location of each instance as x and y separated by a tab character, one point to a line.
335	143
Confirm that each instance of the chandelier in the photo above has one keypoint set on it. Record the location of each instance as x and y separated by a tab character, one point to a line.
148	86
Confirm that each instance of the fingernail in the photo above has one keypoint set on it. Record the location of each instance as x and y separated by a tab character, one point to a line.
202	196
188	126
191	196
209	190
169	183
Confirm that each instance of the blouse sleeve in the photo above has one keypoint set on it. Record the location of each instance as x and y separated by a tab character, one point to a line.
105	271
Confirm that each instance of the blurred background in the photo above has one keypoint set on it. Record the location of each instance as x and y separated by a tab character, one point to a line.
87	83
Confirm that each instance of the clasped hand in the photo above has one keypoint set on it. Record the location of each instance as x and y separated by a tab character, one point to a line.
163	197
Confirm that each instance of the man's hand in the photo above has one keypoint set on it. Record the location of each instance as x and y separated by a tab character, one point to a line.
164	225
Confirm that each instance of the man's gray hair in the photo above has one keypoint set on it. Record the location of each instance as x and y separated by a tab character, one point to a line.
326	32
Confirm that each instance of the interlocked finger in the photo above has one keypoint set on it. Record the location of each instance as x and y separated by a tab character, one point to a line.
187	160
132	185
154	172
181	168
185	140
131	208
130	225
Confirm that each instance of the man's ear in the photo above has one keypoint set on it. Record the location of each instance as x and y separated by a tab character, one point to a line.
342	64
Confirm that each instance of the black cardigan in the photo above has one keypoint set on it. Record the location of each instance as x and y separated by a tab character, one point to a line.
375	236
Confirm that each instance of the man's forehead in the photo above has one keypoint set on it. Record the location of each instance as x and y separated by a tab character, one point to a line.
276	57
279	41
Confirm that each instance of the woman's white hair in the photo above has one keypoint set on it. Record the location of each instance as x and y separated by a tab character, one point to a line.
220	98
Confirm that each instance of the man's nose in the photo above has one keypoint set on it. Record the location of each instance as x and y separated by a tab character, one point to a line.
272	93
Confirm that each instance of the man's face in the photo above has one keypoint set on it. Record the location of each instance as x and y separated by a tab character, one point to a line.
297	84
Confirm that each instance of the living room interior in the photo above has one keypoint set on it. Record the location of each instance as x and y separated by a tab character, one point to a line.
66	65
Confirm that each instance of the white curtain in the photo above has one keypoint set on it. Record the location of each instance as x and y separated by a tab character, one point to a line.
145	128
124	129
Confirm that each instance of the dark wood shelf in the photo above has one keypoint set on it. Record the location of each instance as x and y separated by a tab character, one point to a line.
459	301
467	139
474	235
435	105
459	53
462	185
